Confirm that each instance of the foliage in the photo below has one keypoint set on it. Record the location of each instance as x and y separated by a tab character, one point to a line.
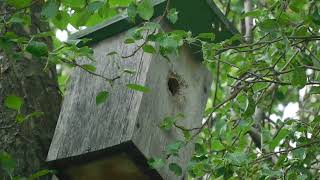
247	133
8	164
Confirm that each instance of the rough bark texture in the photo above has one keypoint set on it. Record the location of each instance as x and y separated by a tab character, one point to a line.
248	6
28	143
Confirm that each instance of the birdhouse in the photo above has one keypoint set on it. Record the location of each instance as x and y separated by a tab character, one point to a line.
114	140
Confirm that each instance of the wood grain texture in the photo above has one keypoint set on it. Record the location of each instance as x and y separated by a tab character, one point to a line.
129	115
190	100
85	127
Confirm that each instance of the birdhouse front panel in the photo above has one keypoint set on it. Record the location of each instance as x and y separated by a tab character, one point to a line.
83	125
179	88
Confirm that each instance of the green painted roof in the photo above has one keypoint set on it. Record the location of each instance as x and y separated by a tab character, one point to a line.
197	16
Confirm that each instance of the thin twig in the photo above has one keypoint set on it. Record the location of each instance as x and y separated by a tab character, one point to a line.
90	72
19	9
282	151
7	127
231	97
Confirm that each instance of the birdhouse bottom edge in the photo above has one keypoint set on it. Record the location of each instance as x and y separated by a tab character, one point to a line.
121	162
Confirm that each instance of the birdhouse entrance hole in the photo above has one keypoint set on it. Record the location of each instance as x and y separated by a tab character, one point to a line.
173	85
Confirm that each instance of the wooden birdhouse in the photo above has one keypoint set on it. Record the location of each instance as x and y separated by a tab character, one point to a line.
114	140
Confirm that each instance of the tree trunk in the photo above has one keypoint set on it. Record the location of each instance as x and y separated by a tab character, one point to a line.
255	132
28	142
248	21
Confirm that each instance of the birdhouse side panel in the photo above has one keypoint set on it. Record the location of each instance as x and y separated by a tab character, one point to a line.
83	125
178	86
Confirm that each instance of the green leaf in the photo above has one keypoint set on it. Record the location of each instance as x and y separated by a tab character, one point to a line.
138	87
39	174
173	15
174	167
169	43
251	106
106	12
94	19
149	49
315	90
44	34
102	97
256	13
94	6
269	173
145	9
7	163
299	154
269	25
206	36
61	20
174	148
199	149
316	121
151	26
316	16
299	77
301	31
17	19
13	102
135	33
129	71
156	163
50	9
62	81
19	3
186	134
37	48
297	5
167	123
117	3
226	172
89	67
216	145
237	158
80	18
132	11
129	41
112	53
74	3
20	118
281	135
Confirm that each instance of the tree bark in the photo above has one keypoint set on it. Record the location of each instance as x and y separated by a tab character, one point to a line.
255	132
248	21
28	142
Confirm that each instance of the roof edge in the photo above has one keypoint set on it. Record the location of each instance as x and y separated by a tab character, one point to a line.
121	23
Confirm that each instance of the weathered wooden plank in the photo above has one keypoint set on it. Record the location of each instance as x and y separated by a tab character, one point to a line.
190	98
84	127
